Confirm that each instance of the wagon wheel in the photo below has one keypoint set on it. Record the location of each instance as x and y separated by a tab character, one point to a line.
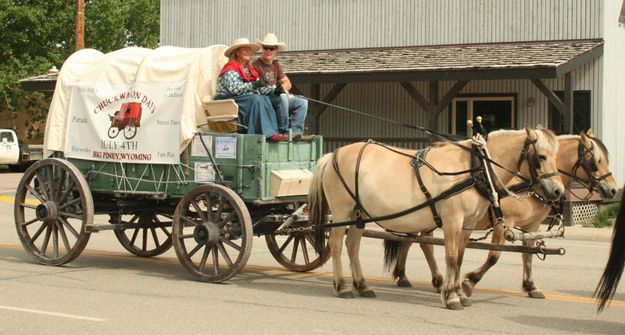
113	132
53	206
152	237
212	222
296	251
130	131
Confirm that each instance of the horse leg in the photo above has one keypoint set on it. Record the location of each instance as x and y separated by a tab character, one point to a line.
464	299
336	244
352	243
400	265
472	278
528	281
451	231
428	252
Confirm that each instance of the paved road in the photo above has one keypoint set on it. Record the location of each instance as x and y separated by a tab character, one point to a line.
107	291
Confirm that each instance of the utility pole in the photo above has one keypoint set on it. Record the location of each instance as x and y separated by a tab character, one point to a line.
80	25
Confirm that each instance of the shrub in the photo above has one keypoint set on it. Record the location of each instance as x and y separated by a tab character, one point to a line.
605	214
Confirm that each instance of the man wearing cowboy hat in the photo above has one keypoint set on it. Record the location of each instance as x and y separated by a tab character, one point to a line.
286	105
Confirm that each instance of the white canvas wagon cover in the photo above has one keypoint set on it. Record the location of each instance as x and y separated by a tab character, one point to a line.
197	68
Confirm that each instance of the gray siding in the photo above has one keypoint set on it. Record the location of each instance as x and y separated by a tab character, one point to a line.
389	100
330	24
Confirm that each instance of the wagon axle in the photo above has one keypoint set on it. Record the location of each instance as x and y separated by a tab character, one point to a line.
206	233
46	211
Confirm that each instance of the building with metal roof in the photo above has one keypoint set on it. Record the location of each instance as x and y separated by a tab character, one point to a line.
558	63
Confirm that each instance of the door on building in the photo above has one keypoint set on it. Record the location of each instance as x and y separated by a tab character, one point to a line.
581	113
497	112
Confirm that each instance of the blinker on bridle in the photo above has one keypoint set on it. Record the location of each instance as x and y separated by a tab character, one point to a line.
589	165
533	161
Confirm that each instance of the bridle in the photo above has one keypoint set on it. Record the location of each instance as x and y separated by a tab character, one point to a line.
586	160
533	162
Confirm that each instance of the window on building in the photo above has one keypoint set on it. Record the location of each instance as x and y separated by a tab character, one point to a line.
497	112
581	113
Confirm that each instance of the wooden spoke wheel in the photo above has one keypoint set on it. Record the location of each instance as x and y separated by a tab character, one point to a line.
53	206
212	233
296	251
151	237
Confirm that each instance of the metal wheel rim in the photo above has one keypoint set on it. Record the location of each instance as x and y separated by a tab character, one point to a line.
147	241
59	184
194	255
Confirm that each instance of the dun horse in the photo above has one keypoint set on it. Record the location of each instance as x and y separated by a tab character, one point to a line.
614	267
581	156
375	180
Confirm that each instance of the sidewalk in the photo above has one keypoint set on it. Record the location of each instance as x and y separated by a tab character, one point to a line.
579	232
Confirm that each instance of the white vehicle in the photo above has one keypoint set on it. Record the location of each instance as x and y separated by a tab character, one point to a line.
11	153
9	148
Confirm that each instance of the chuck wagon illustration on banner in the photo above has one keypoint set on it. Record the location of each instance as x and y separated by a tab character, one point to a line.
181	181
127	119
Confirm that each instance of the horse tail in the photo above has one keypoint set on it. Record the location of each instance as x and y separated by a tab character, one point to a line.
317	203
614	268
391	254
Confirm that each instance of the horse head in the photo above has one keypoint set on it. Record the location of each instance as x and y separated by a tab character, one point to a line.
594	165
540	153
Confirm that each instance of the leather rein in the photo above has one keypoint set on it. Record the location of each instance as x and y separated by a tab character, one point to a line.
477	179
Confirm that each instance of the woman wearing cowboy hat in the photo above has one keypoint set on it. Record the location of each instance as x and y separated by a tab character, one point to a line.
285	105
239	81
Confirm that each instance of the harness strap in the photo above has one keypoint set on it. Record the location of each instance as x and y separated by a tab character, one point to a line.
358	209
417	162
455	189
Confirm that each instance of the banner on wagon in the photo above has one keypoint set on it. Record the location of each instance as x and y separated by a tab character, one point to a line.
138	123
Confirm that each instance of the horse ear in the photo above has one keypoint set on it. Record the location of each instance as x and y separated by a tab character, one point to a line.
585	139
531	134
589	132
539	126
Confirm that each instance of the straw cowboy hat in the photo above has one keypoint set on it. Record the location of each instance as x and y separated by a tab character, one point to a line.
271	40
240	43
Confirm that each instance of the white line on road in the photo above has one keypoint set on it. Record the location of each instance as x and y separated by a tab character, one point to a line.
62	315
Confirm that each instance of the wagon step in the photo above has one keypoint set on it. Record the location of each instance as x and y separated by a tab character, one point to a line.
94	228
473	245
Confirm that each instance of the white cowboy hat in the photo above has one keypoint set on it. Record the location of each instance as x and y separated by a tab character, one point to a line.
271	40
240	43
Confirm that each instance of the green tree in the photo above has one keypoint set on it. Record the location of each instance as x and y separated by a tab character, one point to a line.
37	34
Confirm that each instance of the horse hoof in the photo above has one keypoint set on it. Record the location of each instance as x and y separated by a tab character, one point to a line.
367	294
404	283
464	301
467	287
455	306
346	295
536	294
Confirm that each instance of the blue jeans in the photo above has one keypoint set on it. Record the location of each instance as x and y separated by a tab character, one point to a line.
290	106
256	114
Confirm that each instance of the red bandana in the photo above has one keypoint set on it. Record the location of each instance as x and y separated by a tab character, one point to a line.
236	66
